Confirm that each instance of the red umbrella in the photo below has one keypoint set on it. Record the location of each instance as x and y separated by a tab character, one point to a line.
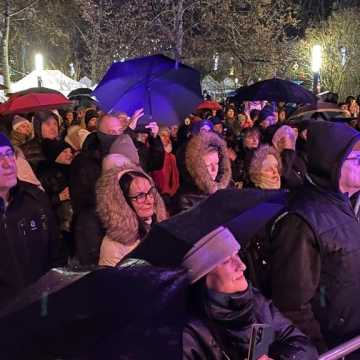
209	105
33	102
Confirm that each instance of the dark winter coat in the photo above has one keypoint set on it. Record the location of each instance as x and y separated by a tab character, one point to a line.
29	241
195	181
55	178
319	288
225	331
33	153
293	169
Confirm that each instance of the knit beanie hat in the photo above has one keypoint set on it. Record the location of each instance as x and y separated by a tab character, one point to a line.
53	148
18	120
125	146
265	112
4	141
89	115
210	251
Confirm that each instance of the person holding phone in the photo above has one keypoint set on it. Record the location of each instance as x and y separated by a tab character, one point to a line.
225	307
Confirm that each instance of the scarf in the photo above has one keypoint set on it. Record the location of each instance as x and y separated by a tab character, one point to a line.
264	182
105	142
233	314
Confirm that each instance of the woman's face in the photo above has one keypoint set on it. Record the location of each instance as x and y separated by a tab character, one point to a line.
270	169
141	194
50	129
24	128
230	113
211	160
69	116
165	137
65	157
252	140
228	277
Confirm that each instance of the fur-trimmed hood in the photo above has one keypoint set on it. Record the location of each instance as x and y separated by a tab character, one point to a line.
118	218
195	165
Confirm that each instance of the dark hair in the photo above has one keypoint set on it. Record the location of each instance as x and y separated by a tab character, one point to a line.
39	118
254	114
349	99
125	183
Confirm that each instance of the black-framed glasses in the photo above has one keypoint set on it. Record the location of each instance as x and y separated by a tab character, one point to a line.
141	197
355	158
9	154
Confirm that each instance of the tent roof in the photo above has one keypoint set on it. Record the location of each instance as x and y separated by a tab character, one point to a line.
53	79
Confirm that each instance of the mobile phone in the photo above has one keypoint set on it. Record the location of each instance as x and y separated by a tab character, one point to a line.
262	336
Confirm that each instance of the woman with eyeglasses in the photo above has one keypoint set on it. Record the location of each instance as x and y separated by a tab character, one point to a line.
128	204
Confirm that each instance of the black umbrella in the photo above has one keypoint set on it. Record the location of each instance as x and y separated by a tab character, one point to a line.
275	90
127	313
244	212
80	92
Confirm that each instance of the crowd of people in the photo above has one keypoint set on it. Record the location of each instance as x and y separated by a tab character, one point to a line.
79	187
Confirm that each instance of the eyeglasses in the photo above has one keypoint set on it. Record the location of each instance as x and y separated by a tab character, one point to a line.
357	158
8	154
141	197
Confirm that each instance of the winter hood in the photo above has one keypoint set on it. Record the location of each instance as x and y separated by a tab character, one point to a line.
195	165
118	218
328	144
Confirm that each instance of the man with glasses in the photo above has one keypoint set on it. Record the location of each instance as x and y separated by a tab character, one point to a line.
28	236
315	268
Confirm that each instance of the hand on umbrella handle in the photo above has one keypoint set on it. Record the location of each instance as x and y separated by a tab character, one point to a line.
154	127
135	117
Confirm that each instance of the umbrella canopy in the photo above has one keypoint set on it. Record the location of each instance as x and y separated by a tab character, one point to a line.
109	313
275	90
167	91
80	92
34	90
209	105
244	212
329	110
33	102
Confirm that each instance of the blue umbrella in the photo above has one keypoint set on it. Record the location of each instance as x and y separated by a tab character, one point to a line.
168	91
275	90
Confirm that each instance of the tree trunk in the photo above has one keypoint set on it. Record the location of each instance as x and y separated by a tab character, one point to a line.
5	46
179	31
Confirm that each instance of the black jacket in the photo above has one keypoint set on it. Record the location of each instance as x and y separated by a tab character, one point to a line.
230	318
315	260
293	169
29	244
55	178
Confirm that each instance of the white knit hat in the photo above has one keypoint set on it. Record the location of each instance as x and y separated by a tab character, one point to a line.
18	120
210	251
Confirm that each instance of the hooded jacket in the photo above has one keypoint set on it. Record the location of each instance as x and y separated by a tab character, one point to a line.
118	218
231	316
319	289
196	183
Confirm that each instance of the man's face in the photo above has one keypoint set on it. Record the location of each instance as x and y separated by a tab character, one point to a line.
111	125
350	173
228	277
7	168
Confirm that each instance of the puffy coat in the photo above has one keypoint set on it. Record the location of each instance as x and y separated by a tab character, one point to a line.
196	183
118	218
230	318
319	288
